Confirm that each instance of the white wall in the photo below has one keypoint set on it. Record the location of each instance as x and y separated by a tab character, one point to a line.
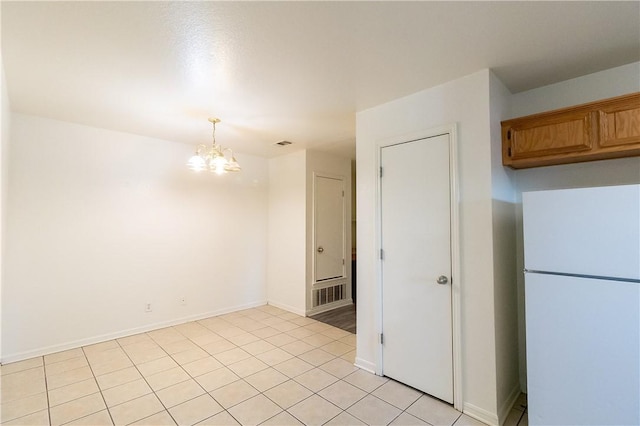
290	254
605	84
5	124
465	101
101	223
286	270
593	87
504	257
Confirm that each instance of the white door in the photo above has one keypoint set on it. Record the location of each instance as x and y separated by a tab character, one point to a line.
416	266
329	228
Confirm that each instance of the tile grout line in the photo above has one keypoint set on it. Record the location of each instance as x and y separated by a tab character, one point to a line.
194	377
243	380
95	379
5	375
268	366
368	393
320	396
520	418
251	357
153	391
46	388
273	366
224	409
196	381
93	376
186	338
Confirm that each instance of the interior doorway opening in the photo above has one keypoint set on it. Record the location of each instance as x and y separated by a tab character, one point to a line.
344	317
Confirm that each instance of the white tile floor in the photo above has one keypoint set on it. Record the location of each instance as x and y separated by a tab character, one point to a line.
257	366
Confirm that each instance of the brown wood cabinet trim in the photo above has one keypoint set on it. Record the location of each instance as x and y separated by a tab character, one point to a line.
600	141
583	138
629	108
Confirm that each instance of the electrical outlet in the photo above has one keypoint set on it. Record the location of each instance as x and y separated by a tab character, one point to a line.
183	301
147	307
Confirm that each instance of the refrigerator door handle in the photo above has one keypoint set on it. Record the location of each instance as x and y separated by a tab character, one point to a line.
590	277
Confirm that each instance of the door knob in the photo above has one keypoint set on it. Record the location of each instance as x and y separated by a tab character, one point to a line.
320	249
442	279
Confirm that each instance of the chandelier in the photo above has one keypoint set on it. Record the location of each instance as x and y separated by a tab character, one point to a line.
213	157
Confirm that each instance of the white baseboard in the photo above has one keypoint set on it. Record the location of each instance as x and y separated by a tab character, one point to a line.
480	414
507	405
286	307
123	333
365	365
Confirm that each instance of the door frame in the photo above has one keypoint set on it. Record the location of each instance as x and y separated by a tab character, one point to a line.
314	215
312	283
456	317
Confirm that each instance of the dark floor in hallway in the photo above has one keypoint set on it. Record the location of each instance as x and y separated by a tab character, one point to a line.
344	318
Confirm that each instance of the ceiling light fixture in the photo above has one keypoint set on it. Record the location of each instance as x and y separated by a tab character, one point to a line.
213	158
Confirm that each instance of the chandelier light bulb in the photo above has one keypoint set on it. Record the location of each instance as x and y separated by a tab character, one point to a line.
213	157
219	169
197	163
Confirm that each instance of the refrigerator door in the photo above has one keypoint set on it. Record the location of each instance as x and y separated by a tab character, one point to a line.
589	231
583	351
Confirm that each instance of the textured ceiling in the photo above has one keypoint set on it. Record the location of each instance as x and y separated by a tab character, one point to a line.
297	71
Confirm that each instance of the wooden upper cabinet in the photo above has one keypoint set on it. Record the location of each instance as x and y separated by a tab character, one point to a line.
594	131
620	123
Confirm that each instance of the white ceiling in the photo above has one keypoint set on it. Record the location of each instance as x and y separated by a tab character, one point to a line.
287	70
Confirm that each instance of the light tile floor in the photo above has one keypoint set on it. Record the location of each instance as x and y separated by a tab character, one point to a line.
257	366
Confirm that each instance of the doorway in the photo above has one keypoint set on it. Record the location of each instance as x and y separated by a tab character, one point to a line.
417	240
330	287
330	195
329	227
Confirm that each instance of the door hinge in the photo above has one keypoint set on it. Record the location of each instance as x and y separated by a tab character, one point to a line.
381	339
381	254
380	171
343	261
343	193
509	152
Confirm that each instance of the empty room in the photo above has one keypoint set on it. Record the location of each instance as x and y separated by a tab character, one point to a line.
302	212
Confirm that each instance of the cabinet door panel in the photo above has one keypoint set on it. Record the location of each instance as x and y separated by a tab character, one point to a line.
548	137
620	127
600	130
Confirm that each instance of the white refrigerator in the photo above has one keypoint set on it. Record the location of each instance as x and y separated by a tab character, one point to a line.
582	301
